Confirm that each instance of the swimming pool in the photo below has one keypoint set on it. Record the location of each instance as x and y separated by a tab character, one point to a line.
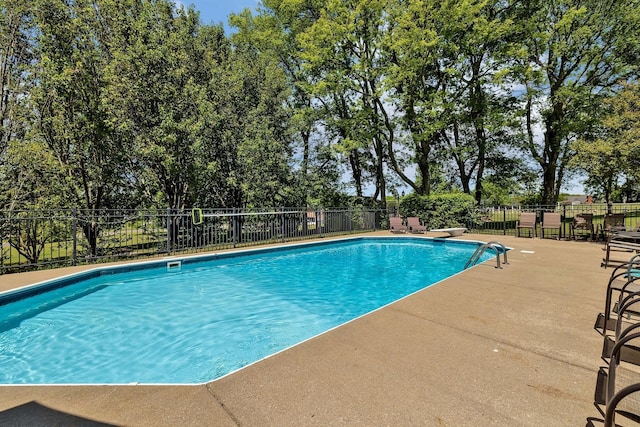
195	320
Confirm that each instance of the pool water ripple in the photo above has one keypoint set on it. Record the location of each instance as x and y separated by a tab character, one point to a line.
209	318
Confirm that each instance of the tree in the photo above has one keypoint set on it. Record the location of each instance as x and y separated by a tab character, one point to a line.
342	51
157	80
68	100
37	183
612	150
575	51
275	32
416	80
16	55
480	38
254	124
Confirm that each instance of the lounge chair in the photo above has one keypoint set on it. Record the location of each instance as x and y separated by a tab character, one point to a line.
582	222
551	221
396	225
413	222
527	220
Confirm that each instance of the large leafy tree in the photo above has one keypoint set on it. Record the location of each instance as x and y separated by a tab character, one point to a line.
156	78
17	51
343	51
416	82
69	101
275	32
574	52
612	151
243	154
37	183
480	42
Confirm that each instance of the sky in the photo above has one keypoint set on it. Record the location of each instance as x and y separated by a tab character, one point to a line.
218	11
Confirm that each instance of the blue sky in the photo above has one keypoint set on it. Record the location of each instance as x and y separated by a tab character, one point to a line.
218	11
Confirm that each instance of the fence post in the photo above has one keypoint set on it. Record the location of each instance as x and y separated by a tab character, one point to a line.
504	221
169	231
282	223
564	224
234	226
74	230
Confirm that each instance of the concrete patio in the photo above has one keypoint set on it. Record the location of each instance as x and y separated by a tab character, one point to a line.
509	347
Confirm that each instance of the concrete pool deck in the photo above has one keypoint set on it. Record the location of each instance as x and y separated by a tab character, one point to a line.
514	346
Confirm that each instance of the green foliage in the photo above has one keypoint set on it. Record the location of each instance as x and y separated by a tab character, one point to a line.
274	33
495	195
572	56
72	118
17	45
531	200
155	95
133	103
34	178
611	152
440	211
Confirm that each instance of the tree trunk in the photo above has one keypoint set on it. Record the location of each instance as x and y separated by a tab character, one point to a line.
356	171
553	144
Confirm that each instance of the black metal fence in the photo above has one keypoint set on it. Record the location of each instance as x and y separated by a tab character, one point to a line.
46	239
31	240
503	220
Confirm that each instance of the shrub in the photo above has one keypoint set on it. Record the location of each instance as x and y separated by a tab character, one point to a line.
441	210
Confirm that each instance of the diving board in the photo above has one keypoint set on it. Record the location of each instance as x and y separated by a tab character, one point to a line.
453	232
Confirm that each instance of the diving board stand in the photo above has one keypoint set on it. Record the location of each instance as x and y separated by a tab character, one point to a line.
453	232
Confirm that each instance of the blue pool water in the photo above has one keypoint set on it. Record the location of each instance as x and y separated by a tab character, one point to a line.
210	317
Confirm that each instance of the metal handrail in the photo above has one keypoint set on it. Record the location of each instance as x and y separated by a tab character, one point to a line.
502	247
482	249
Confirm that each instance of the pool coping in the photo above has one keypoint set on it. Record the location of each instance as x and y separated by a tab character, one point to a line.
530	357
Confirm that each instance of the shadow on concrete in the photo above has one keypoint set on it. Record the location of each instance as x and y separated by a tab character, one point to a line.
33	414
594	422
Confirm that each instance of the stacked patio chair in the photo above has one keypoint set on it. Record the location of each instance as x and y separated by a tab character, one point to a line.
620	241
618	384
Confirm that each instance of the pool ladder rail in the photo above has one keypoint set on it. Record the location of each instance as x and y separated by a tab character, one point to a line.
496	246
